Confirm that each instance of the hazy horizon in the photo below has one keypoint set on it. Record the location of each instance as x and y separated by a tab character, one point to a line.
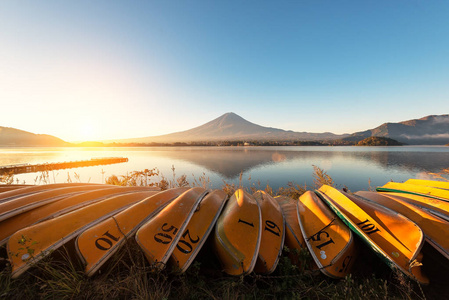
107	70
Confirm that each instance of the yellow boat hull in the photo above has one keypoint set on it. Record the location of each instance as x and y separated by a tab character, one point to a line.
435	229
238	233
22	204
396	239
8	188
415	189
159	236
329	240
29	190
57	208
294	240
98	243
31	244
437	207
273	233
198	229
429	183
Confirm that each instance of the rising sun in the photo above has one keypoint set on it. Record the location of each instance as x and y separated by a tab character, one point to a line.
89	130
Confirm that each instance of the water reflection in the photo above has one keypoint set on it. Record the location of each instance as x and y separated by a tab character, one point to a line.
229	163
350	166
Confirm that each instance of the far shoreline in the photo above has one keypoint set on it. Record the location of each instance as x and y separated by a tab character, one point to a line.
370	141
367	142
206	145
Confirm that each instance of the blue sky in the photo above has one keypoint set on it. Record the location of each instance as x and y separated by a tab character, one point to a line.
84	70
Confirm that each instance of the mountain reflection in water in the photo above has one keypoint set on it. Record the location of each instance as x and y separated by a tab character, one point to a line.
229	163
353	167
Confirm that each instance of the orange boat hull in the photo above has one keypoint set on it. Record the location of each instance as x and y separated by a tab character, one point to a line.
437	207
396	239
435	229
22	204
198	229
29	190
273	233
293	235
159	236
33	243
416	189
57	208
238	233
98	243
329	240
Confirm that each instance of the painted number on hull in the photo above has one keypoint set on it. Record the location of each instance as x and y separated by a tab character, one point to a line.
105	242
247	223
345	264
185	243
322	235
188	246
272	227
165	237
367	227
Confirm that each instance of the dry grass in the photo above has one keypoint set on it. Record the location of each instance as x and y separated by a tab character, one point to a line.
7	178
320	177
443	175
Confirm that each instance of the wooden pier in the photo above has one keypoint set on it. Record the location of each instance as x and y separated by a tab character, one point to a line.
27	168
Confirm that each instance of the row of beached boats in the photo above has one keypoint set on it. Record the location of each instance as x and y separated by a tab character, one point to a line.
247	232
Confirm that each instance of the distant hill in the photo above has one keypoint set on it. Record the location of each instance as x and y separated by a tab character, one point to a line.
430	130
378	141
232	127
15	137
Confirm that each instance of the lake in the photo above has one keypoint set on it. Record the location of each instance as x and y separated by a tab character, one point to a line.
354	167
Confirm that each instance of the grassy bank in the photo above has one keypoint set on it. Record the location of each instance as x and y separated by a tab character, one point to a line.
128	276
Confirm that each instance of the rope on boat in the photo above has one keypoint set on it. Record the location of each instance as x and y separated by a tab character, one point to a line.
328	225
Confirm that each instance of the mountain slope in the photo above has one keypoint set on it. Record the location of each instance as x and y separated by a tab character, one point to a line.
430	130
231	127
15	137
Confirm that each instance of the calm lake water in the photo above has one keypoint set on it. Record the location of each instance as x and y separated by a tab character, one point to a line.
353	167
